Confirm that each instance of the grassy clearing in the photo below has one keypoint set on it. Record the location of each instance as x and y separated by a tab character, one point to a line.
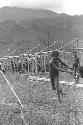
41	107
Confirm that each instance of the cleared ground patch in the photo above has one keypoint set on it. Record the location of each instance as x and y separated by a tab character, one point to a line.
41	106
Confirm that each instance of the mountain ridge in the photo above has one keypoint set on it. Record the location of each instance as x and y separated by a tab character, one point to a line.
20	31
19	14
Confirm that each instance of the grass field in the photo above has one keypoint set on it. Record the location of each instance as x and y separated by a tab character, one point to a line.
41	106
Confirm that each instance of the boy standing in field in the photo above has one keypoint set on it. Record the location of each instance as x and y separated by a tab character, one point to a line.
54	72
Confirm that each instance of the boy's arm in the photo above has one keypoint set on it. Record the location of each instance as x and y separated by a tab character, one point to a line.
64	64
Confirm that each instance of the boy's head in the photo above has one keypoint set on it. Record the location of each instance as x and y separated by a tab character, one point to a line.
55	53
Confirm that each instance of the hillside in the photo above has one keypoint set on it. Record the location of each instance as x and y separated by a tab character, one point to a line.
15	36
20	14
62	28
20	27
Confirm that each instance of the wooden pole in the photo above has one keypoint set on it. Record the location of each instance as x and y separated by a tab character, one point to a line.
45	63
48	46
78	46
28	62
36	65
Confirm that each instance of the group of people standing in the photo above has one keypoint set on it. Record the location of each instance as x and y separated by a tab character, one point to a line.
24	65
17	66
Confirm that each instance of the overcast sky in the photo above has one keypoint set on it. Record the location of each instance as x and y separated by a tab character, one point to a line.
72	7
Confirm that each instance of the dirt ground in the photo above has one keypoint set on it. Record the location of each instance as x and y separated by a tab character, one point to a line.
40	102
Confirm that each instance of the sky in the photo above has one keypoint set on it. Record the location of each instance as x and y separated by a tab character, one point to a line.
71	7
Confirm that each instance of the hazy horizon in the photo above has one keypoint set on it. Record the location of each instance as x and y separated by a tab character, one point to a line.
70	7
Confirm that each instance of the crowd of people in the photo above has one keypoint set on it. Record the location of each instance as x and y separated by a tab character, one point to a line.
24	66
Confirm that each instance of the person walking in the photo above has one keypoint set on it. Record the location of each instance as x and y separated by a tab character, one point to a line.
54	68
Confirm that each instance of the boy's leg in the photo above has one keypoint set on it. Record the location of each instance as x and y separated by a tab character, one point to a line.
52	80
57	87
77	76
74	72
